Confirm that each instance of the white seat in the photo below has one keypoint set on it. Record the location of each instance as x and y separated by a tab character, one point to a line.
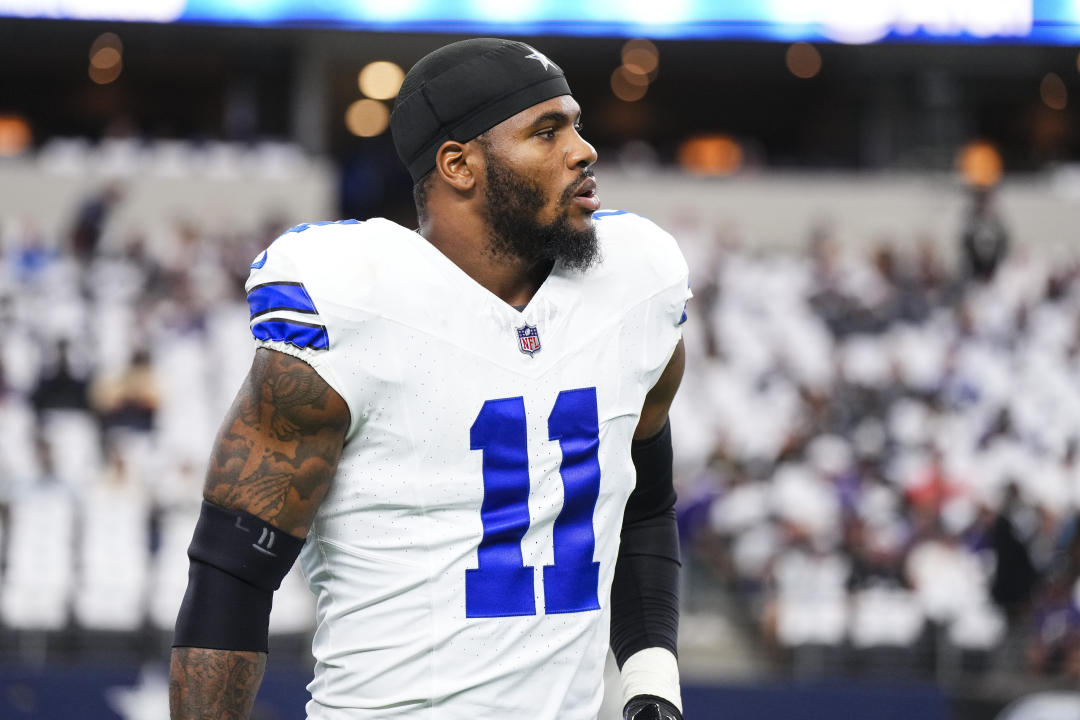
811	599
818	621
170	572
75	442
980	628
294	606
37	587
114	553
185	424
885	617
948	580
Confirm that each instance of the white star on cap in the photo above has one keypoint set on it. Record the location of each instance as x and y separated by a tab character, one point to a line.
541	58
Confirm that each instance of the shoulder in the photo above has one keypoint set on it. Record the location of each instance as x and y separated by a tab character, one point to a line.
332	241
632	243
332	259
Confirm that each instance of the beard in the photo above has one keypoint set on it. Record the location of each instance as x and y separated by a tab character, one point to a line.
512	204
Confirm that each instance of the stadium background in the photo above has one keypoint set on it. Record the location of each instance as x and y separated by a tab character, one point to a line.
878	432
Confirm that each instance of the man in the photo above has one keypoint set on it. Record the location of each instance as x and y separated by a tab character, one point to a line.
454	419
985	239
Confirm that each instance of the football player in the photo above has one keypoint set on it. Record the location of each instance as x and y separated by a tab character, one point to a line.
461	431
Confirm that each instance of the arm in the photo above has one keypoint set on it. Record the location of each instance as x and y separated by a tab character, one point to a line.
645	600
274	458
654	413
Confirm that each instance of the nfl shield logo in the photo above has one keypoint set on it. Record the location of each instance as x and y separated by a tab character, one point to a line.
528	340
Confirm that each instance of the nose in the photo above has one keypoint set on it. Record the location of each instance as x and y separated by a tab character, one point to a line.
582	154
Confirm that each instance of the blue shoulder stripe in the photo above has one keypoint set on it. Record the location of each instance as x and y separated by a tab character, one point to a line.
304	226
609	213
279	296
291	331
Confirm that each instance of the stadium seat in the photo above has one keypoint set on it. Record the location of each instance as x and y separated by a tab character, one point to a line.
170	572
75	444
885	617
114	554
37	586
811	599
294	606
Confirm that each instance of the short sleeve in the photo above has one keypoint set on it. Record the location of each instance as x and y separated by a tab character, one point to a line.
284	316
281	307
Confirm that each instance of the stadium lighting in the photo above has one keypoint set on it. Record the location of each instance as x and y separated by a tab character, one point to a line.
367	118
1053	92
649	12
380	80
980	164
502	11
106	58
106	75
15	135
106	41
628	86
640	56
853	21
803	60
716	155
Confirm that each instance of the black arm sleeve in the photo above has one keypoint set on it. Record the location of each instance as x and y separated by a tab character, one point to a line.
645	591
237	562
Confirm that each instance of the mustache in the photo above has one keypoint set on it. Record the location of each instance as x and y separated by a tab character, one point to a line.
571	189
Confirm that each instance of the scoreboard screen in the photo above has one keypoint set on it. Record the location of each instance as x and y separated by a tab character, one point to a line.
843	21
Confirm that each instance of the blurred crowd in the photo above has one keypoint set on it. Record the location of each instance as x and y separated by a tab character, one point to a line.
879	450
883	447
120	355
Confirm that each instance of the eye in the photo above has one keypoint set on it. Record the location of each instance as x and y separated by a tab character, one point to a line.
546	133
578	126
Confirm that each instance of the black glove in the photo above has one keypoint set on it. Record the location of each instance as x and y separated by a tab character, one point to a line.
650	707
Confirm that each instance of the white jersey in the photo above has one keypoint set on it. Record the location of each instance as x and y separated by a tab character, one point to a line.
463	559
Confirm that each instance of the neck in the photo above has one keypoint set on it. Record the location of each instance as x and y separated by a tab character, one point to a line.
464	240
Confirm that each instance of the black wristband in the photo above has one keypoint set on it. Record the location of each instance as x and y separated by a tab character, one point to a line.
650	707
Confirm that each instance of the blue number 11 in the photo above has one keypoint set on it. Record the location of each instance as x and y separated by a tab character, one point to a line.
502	585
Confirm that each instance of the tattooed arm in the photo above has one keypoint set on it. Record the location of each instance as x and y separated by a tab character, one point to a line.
274	457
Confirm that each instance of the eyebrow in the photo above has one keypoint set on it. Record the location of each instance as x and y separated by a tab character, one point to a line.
556	116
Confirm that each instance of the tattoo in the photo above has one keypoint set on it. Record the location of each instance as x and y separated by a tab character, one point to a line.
218	684
280	444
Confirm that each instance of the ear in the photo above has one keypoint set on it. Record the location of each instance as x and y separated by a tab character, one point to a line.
458	163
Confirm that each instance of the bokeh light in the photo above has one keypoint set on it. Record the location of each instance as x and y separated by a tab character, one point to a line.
106	58
381	79
640	56
1053	91
15	135
980	163
104	76
628	86
367	118
803	60
714	154
106	41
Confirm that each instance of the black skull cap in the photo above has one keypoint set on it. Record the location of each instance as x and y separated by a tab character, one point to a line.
463	89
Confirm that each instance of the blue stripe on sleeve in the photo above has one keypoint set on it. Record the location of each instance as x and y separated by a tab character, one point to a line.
296	333
609	213
279	296
304	226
